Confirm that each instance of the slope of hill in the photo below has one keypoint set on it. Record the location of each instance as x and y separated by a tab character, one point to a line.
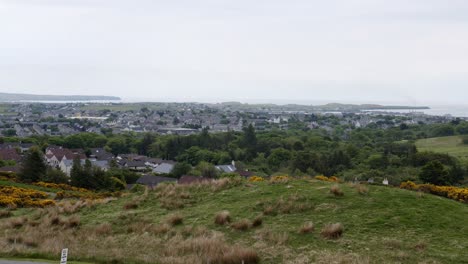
448	145
13	97
267	223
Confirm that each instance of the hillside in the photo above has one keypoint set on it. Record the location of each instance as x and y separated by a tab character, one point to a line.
14	97
448	145
175	224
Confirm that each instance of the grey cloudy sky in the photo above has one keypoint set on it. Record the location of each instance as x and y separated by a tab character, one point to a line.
408	51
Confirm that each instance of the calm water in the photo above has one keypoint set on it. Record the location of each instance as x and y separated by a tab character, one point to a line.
454	110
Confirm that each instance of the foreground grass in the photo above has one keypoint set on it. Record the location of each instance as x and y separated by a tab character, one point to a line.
42	260
383	225
448	145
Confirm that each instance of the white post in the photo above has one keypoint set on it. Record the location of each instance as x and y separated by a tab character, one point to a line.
64	257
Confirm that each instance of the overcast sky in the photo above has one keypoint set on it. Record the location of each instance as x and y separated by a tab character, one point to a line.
408	51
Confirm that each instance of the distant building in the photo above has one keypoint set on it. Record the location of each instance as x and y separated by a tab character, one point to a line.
227	168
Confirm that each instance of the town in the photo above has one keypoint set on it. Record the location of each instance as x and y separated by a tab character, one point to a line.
63	119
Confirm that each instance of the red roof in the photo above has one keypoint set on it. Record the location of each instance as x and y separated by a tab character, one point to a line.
9	154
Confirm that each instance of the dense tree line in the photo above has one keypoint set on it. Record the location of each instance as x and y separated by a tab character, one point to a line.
360	153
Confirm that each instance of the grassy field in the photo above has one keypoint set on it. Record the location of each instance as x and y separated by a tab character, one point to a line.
175	224
449	145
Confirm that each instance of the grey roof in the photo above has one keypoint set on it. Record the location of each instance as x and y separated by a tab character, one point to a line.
103	164
154	180
164	168
135	163
226	168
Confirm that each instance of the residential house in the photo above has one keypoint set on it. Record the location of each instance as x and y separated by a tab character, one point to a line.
10	154
66	165
164	167
136	165
54	156
227	168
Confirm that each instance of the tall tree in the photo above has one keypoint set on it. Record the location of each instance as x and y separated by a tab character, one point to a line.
434	172
34	168
250	141
147	140
76	173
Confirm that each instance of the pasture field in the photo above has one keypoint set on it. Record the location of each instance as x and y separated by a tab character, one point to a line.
452	145
258	222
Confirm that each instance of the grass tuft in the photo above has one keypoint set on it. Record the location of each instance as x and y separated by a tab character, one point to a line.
18	222
73	221
103	229
332	231
336	191
241	225
258	221
362	189
222	218
175	219
5	213
131	205
307	228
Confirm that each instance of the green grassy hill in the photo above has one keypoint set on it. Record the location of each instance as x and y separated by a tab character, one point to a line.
448	145
175	224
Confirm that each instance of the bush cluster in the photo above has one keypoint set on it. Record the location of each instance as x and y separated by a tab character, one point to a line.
327	179
20	197
279	179
256	179
451	192
60	186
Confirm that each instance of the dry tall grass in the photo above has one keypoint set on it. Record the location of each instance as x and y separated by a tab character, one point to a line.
148	242
5	213
272	237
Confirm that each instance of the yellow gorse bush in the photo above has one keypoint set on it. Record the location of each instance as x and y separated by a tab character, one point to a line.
20	197
328	179
256	179
60	186
452	192
279	179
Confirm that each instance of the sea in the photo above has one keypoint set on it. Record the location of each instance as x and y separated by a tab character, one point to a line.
452	110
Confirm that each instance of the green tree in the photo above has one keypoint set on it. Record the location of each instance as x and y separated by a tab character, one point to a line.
76	173
118	146
250	142
462	128
434	172
207	170
279	158
180	169
34	168
145	143
55	176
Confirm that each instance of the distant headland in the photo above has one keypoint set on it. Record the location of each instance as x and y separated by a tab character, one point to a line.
16	97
